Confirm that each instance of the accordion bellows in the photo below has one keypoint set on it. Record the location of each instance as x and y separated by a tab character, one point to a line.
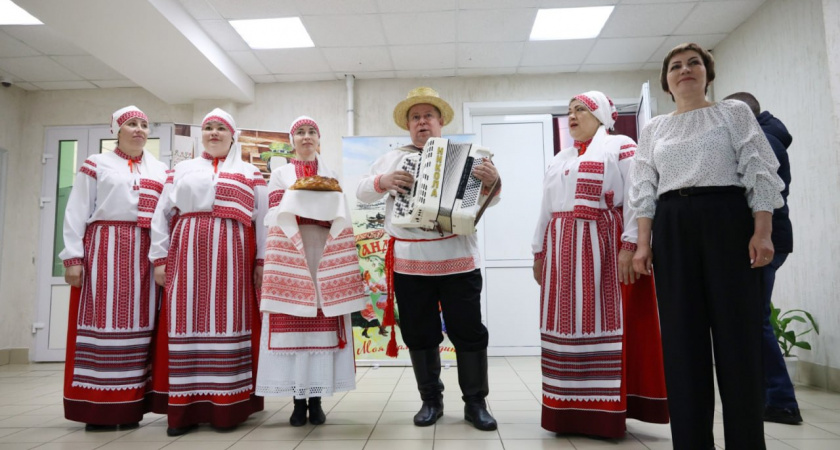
445	193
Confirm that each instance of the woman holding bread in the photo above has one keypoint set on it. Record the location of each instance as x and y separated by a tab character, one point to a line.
311	283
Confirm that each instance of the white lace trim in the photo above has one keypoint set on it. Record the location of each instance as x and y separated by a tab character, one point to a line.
303	392
98	387
588	398
208	392
298	352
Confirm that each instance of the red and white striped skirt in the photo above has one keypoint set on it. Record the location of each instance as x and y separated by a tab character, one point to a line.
601	363
581	325
211	313
112	318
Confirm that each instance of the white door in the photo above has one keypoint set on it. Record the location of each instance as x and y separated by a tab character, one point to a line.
522	145
65	149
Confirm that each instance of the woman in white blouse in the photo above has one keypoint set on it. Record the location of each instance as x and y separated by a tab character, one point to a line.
210	262
705	186
582	249
113	297
312	283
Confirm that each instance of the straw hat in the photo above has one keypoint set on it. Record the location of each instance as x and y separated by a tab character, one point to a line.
418	96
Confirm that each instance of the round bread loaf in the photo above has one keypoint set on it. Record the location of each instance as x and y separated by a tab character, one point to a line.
316	183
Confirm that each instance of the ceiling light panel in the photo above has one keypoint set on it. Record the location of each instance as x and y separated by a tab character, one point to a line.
287	32
570	23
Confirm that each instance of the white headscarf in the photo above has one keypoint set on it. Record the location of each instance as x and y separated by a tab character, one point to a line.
299	122
233	161
121	115
600	106
323	170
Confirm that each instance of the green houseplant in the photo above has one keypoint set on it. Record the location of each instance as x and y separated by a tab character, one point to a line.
787	337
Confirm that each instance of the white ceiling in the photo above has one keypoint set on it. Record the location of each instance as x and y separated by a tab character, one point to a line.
183	50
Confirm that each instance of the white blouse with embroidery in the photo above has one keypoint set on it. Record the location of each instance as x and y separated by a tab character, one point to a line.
719	145
439	257
192	188
107	187
562	193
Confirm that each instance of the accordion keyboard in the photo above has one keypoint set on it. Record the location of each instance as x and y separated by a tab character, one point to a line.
404	204
469	190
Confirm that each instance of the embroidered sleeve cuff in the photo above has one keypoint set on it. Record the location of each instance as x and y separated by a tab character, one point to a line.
160	262
74	262
629	246
376	185
539	256
260	262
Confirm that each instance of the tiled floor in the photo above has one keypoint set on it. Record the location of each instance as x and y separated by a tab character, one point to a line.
377	415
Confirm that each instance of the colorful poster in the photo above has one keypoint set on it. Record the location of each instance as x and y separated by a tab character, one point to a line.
183	144
266	150
371	339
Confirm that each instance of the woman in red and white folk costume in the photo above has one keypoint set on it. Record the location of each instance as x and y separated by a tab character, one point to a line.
210	261
312	283
602	356
113	297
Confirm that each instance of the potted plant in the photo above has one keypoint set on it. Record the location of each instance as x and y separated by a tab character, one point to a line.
787	337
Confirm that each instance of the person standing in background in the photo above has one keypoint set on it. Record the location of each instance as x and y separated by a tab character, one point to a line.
780	400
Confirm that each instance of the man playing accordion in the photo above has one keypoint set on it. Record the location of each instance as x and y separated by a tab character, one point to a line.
428	266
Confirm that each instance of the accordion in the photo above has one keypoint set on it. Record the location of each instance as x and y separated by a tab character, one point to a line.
445	194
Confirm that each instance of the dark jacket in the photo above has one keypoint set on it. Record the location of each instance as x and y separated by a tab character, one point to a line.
780	140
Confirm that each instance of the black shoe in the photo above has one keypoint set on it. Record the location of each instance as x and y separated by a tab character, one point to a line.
788	416
472	376
429	413
316	414
224	429
426	365
298	418
475	412
180	431
94	427
129	426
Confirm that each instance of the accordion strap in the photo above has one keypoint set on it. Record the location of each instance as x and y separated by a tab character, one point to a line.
389	319
497	186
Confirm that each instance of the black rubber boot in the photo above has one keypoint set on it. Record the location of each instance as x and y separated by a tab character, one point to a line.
426	365
179	431
472	376
95	427
316	414
298	418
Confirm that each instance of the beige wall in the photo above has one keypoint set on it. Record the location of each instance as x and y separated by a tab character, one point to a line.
39	110
780	55
275	107
11	123
278	104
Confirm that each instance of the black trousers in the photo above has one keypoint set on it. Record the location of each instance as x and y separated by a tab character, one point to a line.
709	300
460	300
